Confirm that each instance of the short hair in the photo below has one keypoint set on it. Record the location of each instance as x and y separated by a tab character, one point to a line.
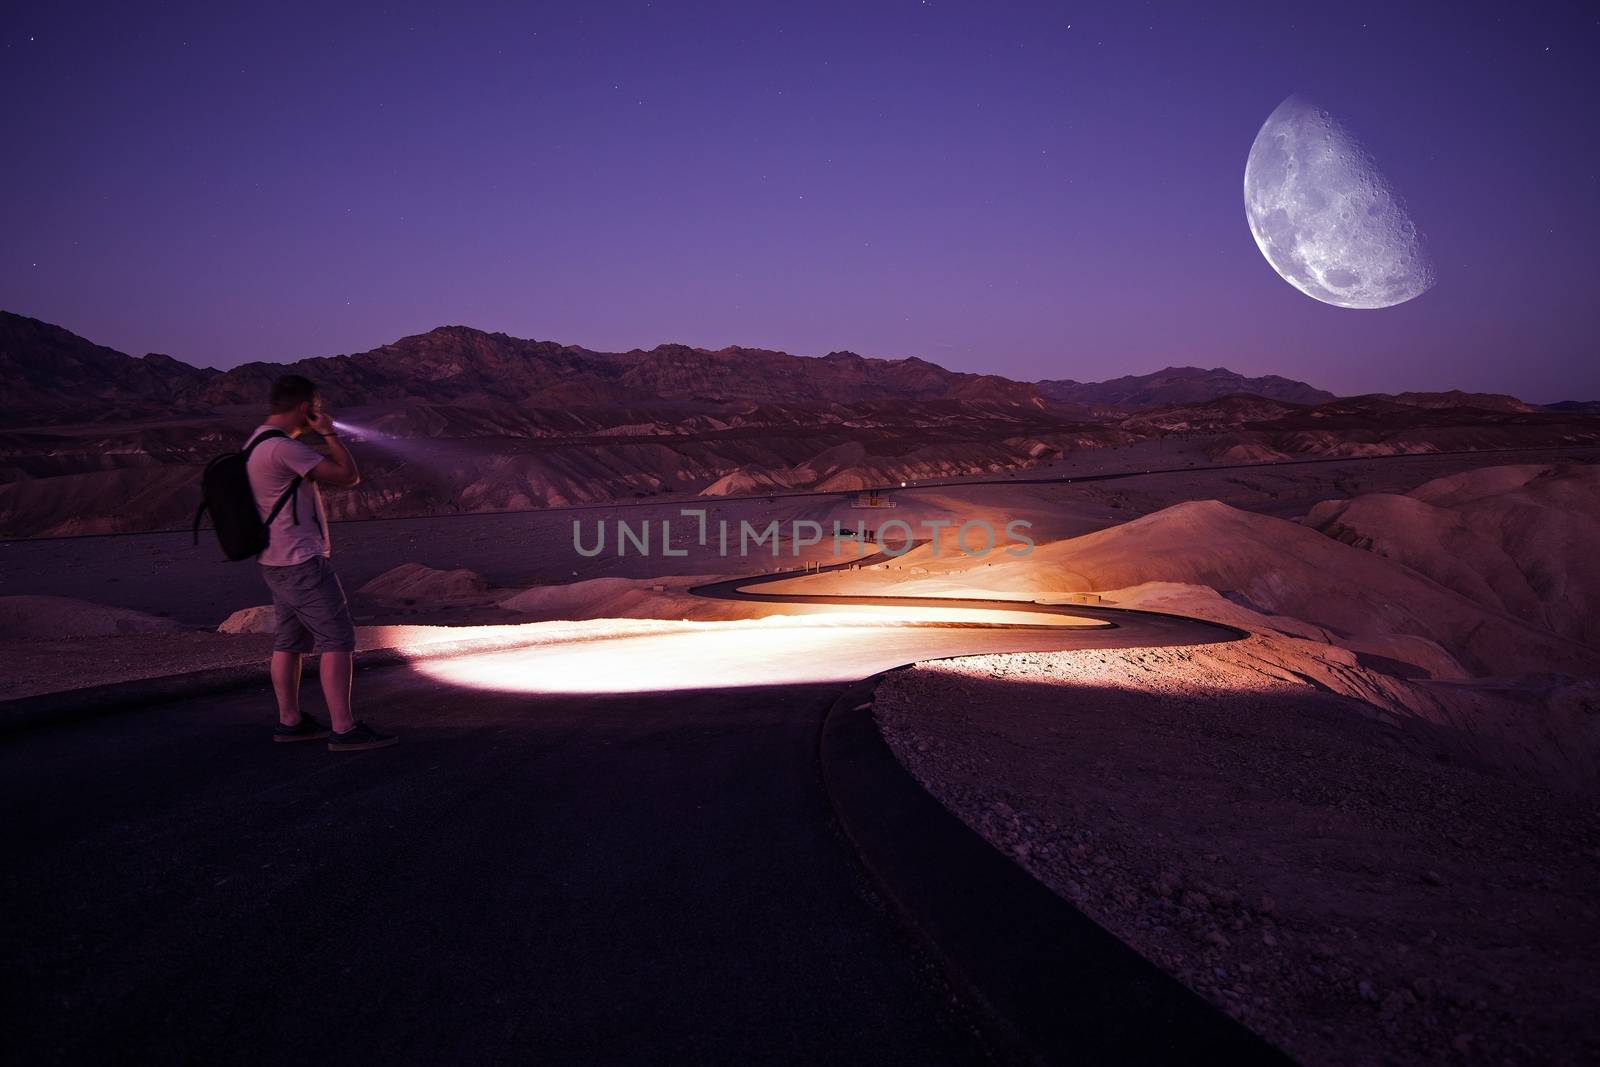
290	391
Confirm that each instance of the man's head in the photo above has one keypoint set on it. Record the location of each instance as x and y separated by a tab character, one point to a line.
294	401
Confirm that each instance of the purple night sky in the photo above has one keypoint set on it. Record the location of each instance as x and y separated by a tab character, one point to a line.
1049	190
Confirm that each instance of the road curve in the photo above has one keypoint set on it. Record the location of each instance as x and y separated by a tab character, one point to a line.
606	876
1121	627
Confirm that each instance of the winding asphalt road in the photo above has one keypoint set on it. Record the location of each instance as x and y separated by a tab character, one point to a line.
732	873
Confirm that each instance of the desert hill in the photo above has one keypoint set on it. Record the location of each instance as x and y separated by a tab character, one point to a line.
1281	568
1519	538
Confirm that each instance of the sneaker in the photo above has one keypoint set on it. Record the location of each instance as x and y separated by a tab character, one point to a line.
307	729
360	737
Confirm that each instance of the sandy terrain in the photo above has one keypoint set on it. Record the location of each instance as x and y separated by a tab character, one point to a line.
1521	538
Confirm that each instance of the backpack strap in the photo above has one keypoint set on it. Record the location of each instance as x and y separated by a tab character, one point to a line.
289	494
265	435
294	509
198	515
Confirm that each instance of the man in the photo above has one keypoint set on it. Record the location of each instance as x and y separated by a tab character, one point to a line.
312	612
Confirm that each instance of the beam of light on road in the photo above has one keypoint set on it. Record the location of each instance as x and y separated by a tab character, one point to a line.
731	655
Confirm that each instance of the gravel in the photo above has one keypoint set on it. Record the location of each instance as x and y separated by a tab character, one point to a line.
1345	885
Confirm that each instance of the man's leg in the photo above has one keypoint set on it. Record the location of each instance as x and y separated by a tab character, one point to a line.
326	614
335	669
286	684
292	641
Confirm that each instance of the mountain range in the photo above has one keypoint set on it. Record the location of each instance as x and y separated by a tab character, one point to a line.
58	376
456	419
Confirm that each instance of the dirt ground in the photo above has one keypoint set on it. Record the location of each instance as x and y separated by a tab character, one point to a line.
1347	888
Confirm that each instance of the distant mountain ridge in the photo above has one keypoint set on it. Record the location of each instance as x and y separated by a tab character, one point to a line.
1179	385
50	369
459	363
1456	398
1575	407
57	376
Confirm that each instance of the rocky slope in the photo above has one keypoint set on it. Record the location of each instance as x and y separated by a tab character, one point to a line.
1279	568
1520	539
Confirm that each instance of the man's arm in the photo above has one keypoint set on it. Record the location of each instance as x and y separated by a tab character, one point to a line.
339	468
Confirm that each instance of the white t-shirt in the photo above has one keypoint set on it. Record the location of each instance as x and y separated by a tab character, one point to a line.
273	465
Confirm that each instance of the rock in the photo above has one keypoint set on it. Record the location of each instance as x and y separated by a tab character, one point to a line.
257	620
1196	901
1432	878
1364	987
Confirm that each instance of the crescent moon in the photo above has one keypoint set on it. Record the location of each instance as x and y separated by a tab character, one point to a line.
1324	216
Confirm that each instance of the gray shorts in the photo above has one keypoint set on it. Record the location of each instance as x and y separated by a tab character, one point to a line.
313	614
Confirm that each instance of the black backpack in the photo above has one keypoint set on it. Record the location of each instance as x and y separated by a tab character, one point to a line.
226	494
